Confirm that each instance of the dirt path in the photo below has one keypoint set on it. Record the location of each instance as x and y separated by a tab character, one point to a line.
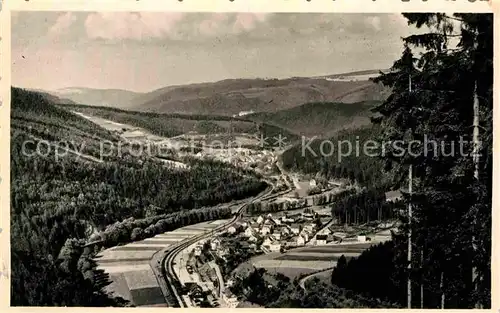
324	274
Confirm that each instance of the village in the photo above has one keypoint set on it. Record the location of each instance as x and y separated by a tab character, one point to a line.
212	261
279	227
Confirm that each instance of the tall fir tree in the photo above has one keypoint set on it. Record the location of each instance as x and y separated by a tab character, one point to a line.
452	202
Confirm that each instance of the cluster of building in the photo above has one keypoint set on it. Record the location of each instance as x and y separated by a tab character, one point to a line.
230	299
200	295
261	160
273	234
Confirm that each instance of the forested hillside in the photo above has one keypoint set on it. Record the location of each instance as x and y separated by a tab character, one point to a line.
170	125
341	156
319	119
58	203
231	96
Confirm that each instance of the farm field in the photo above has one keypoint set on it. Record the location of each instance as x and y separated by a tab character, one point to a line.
129	265
315	256
307	259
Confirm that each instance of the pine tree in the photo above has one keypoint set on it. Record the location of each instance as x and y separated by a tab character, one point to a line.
451	203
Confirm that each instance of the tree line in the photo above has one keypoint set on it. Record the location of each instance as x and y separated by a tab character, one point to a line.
364	206
316	157
440	256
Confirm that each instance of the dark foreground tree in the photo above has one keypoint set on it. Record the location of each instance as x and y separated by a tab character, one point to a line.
451	93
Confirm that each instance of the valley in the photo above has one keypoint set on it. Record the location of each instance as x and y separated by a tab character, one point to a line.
180	142
250	160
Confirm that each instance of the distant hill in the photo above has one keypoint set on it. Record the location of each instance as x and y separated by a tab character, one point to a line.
320	118
359	74
232	96
116	98
52	98
229	97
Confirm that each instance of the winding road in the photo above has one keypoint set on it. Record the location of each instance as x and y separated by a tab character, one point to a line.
168	261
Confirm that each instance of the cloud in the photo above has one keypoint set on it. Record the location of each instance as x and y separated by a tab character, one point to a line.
138	26
63	22
248	21
213	24
374	21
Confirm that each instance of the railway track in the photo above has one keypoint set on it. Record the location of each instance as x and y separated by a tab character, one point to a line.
168	260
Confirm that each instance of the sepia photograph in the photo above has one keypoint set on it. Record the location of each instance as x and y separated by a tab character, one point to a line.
251	159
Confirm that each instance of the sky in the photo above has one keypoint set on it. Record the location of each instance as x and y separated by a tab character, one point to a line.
143	51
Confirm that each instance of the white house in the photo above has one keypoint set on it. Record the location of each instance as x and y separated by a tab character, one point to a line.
275	246
301	241
321	239
230	283
277	236
214	244
309	227
362	238
231	230
249	232
285	231
260	219
230	300
312	183
305	234
295	228
266	229
197	251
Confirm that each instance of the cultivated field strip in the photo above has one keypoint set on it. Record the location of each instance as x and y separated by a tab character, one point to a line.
151	244
315	256
282	264
118	268
144	247
129	265
309	259
141	279
125	260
